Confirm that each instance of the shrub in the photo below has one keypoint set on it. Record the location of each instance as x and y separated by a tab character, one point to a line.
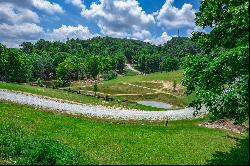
110	75
170	63
61	83
95	88
40	82
174	85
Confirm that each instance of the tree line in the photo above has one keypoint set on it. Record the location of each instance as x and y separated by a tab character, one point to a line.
82	59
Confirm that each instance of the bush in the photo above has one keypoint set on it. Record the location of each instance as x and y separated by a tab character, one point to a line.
48	152
61	83
170	64
110	75
40	82
95	88
18	147
174	85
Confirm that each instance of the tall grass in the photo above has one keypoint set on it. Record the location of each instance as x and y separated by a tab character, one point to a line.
17	146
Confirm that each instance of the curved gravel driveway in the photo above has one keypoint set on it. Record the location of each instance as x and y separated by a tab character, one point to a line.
95	111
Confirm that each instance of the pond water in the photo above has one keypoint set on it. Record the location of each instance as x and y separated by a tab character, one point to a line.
156	104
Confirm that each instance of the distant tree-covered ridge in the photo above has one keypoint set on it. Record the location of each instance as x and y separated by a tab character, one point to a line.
79	59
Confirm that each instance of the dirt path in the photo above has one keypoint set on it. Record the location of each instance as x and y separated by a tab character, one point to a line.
155	90
167	85
133	69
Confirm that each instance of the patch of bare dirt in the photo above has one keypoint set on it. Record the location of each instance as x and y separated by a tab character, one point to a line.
225	124
169	86
86	82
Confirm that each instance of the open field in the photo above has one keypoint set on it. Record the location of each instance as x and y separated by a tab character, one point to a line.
117	142
156	86
119	88
165	76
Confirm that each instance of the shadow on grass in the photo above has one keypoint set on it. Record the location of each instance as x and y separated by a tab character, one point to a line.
238	155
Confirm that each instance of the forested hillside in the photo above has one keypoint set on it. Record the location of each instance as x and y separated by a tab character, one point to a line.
80	59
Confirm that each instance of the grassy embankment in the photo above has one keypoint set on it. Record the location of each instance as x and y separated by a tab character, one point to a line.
61	138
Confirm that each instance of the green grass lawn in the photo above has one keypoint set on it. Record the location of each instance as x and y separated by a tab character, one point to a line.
107	142
166	76
174	98
149	85
119	88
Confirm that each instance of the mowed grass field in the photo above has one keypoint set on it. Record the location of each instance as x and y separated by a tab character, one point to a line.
157	86
110	142
165	76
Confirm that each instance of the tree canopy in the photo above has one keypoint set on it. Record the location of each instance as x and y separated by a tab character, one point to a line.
80	59
219	75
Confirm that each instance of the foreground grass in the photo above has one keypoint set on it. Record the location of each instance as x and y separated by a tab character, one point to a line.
182	142
60	94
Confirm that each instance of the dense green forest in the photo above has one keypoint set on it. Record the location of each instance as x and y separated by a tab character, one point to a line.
80	59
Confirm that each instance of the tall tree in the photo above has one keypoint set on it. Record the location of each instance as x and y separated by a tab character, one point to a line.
94	66
16	67
220	74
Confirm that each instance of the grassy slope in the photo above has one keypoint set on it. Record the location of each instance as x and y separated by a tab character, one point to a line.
167	76
182	142
175	99
119	89
120	86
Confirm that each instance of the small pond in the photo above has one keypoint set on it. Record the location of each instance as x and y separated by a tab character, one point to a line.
156	104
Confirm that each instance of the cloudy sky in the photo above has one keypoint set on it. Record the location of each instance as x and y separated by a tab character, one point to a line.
155	21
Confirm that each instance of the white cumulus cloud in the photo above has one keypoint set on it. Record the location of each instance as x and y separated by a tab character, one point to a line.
159	40
11	14
195	29
171	17
13	35
118	18
141	35
48	7
43	5
65	32
77	3
19	23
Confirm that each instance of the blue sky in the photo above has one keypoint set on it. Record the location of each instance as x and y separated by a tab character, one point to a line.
155	21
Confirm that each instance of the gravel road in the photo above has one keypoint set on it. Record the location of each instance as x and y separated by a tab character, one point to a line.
95	111
133	69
